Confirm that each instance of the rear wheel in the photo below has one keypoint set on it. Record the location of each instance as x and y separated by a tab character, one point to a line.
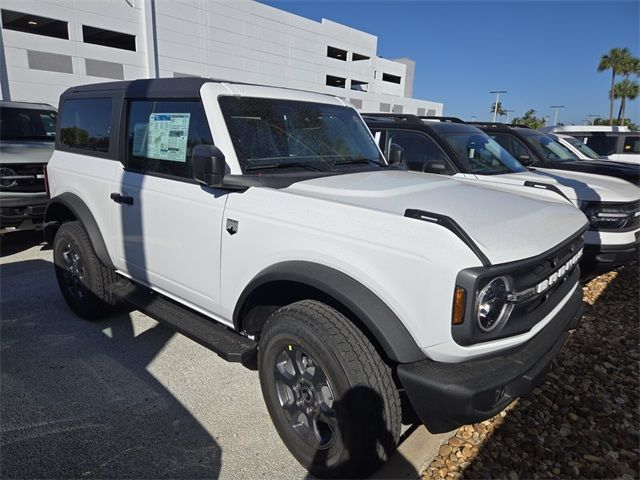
330	395
85	282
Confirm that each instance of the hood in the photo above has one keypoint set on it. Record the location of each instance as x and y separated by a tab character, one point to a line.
612	168
577	186
25	152
505	225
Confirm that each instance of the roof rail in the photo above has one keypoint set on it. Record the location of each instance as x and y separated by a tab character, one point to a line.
392	117
442	119
498	124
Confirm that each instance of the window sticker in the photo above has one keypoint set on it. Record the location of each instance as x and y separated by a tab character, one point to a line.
167	136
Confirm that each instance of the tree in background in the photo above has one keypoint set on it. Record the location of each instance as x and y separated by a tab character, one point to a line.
615	60
623	90
627	123
529	119
500	111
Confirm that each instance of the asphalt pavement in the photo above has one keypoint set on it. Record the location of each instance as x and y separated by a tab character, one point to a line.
126	397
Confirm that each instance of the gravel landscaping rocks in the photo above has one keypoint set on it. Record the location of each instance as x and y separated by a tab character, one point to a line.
584	420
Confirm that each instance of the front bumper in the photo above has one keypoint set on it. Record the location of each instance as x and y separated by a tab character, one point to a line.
598	259
22	213
448	395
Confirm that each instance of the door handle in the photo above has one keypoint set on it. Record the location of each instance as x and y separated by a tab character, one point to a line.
125	199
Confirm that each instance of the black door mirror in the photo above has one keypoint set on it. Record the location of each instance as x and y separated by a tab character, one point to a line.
434	166
208	165
396	156
525	160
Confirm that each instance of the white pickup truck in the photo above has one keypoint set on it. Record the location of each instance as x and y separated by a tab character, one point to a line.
266	224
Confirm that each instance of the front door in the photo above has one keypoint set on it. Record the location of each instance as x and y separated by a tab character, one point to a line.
166	225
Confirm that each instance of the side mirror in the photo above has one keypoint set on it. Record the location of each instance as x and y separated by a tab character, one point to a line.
525	160
396	156
208	165
434	166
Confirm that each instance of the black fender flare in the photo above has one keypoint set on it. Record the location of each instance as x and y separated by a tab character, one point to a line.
55	213
381	322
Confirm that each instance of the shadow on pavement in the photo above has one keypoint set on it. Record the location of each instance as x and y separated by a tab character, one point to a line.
77	400
583	421
19	241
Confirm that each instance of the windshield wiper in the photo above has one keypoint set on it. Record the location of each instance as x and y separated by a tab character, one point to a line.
359	160
268	166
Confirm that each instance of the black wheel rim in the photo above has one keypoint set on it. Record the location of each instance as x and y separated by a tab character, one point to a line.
74	272
306	397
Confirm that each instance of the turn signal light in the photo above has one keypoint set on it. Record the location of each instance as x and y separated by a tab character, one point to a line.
459	298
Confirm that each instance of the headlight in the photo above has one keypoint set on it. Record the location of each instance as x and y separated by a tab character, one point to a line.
492	306
610	217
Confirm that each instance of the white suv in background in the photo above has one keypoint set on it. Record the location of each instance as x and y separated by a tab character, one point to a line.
265	222
615	143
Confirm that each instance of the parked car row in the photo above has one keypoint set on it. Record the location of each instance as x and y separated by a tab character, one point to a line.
487	153
268	225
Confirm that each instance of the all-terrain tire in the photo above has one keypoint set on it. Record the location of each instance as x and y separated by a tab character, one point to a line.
366	415
85	282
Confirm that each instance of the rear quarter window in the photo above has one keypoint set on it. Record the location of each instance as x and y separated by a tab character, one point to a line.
85	124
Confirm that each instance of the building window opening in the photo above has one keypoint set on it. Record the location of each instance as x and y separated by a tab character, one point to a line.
356	57
387	77
336	81
338	54
25	22
359	85
108	38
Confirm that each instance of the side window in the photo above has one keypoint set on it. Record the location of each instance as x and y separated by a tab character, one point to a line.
512	145
161	135
602	144
420	153
85	124
631	145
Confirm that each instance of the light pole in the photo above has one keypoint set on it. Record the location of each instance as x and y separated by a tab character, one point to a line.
556	108
495	105
592	118
508	112
473	118
545	119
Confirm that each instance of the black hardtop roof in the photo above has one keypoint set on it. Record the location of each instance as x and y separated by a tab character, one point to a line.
396	120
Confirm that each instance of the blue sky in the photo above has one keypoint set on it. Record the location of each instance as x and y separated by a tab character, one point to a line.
542	52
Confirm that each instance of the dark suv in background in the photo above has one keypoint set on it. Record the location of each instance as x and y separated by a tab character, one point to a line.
536	149
27	134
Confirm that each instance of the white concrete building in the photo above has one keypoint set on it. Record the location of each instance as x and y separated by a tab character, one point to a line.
49	45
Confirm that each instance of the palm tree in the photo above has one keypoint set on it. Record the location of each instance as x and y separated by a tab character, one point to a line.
500	111
614	60
630	66
529	119
623	90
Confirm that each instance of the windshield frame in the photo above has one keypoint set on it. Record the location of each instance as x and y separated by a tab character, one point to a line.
500	154
540	150
281	122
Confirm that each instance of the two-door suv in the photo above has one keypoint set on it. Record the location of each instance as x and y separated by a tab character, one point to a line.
265	224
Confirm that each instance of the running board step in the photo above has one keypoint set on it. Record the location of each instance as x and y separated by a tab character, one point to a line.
228	344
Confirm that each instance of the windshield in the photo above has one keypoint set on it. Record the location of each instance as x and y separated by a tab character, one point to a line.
27	124
578	145
547	148
271	133
481	154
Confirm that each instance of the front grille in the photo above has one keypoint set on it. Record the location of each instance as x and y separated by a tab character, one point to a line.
27	178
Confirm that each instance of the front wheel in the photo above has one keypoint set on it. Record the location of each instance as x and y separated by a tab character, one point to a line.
85	282
330	395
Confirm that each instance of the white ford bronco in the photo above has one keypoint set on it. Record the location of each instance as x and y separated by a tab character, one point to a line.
265	224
